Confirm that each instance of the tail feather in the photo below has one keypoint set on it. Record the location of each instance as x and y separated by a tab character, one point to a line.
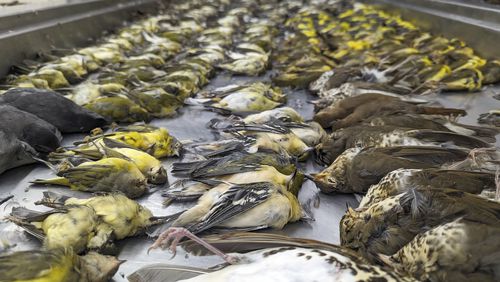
165	273
52	199
457	139
60	181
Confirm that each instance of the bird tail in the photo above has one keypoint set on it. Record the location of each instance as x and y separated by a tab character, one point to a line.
485	133
52	199
441	111
455	138
165	273
60	181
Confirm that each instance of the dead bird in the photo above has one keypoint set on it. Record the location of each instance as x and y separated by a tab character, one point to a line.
85	224
272	256
57	265
492	118
388	136
237	173
356	169
238	99
54	108
354	110
14	152
404	216
459	250
401	180
39	134
434	123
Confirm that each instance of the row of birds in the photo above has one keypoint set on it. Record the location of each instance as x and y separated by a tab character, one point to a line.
418	168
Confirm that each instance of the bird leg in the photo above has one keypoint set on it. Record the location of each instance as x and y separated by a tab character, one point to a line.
172	236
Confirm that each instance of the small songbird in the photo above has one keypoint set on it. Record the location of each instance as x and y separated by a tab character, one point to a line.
356	169
354	110
386	226
401	180
249	206
155	141
460	250
84	224
273	257
119	109
492	118
237	174
150	166
387	136
435	123
54	108
105	175
36	132
58	265
14	152
285	114
276	133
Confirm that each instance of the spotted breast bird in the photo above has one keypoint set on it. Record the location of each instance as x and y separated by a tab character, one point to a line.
387	226
434	123
354	110
388	136
272	257
401	180
356	169
459	250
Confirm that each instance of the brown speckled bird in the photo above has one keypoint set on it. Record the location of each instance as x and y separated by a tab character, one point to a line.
272	258
356	169
354	110
401	180
385	227
388	136
461	250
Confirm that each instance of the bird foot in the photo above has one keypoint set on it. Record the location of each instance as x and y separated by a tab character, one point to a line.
171	237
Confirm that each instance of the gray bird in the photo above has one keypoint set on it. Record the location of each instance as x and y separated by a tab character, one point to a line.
36	132
13	152
54	108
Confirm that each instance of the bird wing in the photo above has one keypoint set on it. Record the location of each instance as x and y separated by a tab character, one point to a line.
88	176
445	137
165	273
250	241
212	168
27	265
236	200
430	155
268	128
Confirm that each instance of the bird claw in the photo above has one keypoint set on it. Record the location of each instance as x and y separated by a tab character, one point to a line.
170	238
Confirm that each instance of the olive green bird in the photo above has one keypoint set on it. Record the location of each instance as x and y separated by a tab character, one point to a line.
460	250
155	141
119	109
150	166
85	224
404	216
57	265
105	175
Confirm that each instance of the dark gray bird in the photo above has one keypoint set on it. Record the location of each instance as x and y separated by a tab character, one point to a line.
13	152
38	133
54	108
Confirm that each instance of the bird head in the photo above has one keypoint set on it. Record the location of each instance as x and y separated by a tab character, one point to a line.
97	267
157	175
